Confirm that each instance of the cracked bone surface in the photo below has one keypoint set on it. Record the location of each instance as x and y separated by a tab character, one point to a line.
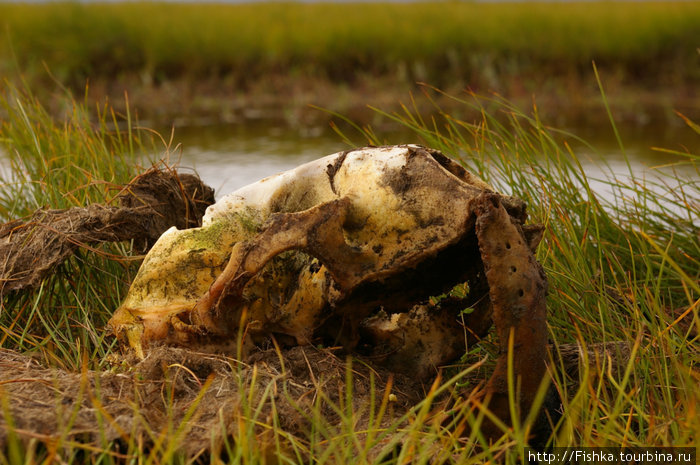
345	250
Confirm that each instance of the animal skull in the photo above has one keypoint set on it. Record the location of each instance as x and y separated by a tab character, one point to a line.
350	248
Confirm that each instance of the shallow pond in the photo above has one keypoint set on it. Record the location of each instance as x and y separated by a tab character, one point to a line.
230	156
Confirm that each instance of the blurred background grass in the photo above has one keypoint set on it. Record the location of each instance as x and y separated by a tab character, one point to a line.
436	42
516	49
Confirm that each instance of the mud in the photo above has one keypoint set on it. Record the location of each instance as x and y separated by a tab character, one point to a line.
150	204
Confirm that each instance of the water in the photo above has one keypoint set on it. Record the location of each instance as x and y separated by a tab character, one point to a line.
231	156
228	157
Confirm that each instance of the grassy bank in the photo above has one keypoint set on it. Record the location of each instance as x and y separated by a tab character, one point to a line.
195	58
436	42
619	270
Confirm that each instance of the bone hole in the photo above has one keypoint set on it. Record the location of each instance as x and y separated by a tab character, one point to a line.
521	292
507	245
513	269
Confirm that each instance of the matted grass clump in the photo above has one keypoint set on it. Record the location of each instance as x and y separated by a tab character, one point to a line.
623	270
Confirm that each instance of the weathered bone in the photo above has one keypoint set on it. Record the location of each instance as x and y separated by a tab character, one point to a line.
351	247
517	288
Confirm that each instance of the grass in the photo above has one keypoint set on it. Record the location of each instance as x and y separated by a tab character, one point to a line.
438	42
618	268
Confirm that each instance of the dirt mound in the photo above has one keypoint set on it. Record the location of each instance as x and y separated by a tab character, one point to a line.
200	396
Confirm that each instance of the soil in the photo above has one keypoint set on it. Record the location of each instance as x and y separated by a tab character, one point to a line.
158	393
206	397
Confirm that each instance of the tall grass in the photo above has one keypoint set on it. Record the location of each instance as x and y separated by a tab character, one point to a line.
620	268
434	41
